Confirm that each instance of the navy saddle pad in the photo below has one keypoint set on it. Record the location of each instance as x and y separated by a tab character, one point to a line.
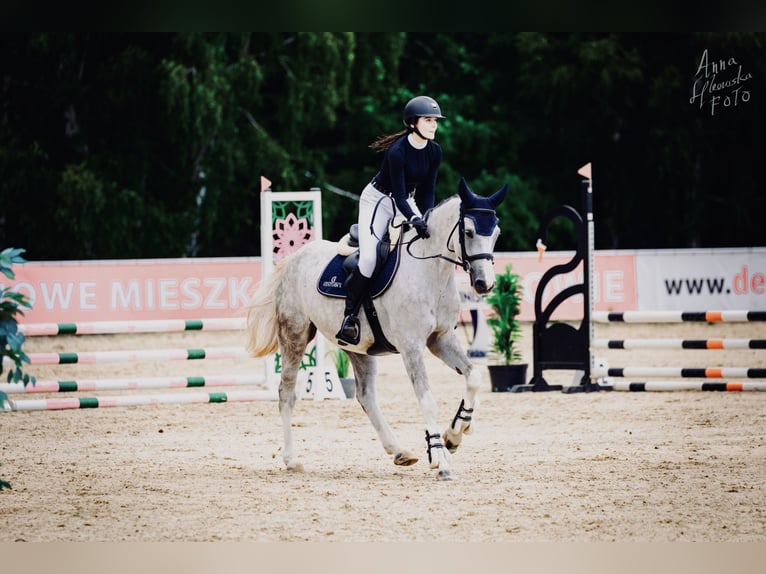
331	282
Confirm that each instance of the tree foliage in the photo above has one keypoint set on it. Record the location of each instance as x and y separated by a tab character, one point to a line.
153	145
12	307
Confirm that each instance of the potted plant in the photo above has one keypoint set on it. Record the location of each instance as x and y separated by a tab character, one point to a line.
340	358
505	300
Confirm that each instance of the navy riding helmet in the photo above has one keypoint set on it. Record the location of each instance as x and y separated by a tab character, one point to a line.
421	107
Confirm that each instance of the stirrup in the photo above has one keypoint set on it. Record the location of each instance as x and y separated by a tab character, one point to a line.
350	331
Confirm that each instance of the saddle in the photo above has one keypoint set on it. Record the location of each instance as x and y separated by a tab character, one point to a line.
333	278
332	281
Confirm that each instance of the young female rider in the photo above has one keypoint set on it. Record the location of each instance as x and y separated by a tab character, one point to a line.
410	164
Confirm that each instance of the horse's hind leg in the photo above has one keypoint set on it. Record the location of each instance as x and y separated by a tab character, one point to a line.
447	347
292	344
365	370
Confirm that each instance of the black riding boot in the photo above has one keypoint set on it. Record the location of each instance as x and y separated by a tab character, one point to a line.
350	330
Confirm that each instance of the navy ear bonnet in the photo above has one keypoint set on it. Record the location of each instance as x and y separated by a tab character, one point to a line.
481	210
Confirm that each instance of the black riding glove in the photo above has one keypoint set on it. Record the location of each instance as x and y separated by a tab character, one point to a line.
420	226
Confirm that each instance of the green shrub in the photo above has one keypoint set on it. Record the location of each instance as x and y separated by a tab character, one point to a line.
505	300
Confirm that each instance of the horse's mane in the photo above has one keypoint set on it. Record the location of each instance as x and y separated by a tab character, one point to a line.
441	204
447	200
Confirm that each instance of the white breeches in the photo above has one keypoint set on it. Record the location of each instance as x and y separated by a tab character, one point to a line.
386	210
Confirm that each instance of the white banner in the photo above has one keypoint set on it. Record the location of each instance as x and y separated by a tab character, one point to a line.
701	279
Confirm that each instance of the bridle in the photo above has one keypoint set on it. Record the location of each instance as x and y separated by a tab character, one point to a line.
465	259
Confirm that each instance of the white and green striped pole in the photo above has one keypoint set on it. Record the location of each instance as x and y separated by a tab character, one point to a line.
127	327
138	355
132	384
68	403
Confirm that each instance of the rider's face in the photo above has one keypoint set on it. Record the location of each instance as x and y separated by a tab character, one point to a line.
427	127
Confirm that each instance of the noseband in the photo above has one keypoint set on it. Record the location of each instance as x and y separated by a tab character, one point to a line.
461	226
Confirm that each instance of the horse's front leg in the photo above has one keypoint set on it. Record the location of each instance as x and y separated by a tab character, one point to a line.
437	453
447	347
365	370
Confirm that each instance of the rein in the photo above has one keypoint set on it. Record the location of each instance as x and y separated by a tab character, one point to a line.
461	262
464	259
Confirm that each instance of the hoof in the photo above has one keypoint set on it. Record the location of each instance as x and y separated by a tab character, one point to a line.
449	445
296	467
404	459
444	475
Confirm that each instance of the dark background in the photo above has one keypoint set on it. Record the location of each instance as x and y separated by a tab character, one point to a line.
139	145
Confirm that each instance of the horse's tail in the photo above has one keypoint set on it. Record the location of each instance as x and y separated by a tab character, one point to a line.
262	316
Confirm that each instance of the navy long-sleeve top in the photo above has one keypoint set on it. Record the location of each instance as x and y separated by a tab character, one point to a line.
406	169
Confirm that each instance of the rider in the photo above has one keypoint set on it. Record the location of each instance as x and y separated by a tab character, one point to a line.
410	163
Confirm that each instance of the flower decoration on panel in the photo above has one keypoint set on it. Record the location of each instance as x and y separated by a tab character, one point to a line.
290	234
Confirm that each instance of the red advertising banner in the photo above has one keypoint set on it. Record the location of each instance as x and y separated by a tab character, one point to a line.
78	291
614	287
156	289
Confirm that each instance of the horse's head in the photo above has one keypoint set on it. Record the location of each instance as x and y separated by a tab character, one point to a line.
478	234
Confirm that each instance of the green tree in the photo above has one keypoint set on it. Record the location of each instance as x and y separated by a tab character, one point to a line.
153	145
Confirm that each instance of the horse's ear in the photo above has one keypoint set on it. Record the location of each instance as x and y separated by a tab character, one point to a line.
499	195
463	189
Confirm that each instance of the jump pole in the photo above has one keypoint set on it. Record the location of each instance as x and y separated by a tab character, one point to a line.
710	317
689	344
733	316
127	327
687	386
140	355
590	274
683	372
137	400
132	384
